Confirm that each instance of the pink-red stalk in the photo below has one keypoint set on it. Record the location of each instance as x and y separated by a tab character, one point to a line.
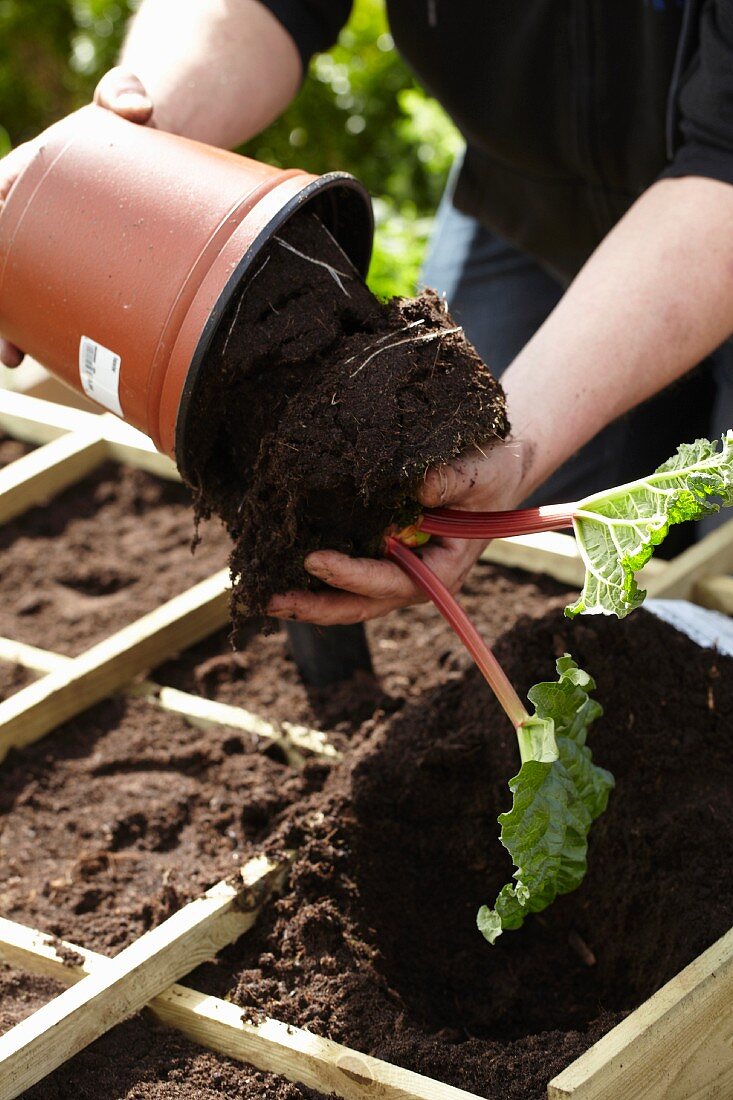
495	525
453	613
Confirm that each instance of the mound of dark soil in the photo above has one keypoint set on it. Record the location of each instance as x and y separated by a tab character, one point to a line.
320	409
375	945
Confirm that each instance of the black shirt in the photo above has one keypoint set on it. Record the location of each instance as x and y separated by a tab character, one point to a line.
570	108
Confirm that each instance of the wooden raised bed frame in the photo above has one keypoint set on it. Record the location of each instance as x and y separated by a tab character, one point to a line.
677	1046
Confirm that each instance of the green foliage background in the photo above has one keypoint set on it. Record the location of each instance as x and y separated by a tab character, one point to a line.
360	110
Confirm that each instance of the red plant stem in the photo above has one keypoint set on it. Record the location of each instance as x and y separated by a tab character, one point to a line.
456	617
496	525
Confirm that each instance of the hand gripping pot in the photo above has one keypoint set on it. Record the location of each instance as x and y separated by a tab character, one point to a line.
121	247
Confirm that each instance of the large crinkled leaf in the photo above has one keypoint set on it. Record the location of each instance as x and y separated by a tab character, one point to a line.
617	531
556	796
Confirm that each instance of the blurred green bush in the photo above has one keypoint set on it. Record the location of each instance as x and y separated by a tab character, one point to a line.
360	110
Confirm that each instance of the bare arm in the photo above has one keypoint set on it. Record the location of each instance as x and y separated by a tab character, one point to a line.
216	70
653	300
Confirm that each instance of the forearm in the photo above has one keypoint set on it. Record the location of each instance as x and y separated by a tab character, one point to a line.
216	70
654	299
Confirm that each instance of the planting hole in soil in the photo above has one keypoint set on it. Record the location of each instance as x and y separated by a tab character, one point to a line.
376	944
319	408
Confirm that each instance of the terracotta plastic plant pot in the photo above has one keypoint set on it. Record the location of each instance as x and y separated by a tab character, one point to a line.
121	247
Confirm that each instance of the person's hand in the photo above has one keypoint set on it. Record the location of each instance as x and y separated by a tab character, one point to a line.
369	587
119	91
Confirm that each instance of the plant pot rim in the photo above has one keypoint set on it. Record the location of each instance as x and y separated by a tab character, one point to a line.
318	187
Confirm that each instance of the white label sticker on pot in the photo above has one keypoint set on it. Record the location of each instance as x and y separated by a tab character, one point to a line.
99	370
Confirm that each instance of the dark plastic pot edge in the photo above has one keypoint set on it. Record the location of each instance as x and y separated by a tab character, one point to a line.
360	238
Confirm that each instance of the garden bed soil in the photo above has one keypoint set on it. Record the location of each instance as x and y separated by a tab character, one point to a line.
411	652
11	449
122	815
319	409
13	678
99	555
374	942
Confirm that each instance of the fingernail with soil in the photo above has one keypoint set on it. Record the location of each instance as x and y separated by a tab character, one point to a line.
317	568
281	613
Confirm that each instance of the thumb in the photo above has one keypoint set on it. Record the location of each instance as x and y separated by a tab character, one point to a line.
452	483
121	91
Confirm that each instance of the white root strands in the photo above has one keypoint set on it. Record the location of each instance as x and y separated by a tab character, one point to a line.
387	336
259	271
348	259
336	275
426	339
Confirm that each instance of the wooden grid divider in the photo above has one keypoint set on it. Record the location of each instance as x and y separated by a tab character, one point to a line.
123	985
113	662
34	420
691	1014
715	593
53	467
710	556
273	1047
674	1047
296	741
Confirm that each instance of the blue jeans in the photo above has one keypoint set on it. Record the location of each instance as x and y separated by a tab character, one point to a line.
501	296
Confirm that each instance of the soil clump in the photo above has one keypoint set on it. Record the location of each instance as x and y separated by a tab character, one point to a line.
319	410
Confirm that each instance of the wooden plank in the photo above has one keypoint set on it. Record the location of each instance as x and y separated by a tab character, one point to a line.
113	662
36	421
109	994
549	552
143	458
218	1025
296	741
44	472
676	1046
713	555
31	657
714	592
128	445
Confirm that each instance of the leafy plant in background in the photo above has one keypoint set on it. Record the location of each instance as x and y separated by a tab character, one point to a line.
360	110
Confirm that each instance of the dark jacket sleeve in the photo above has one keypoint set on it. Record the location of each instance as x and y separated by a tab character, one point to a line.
312	24
705	102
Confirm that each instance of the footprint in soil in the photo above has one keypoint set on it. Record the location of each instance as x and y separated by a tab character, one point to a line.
162	812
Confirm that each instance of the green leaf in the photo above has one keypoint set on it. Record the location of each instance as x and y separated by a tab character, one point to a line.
617	531
556	796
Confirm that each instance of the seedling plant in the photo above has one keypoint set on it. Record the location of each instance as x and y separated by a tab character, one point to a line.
559	792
